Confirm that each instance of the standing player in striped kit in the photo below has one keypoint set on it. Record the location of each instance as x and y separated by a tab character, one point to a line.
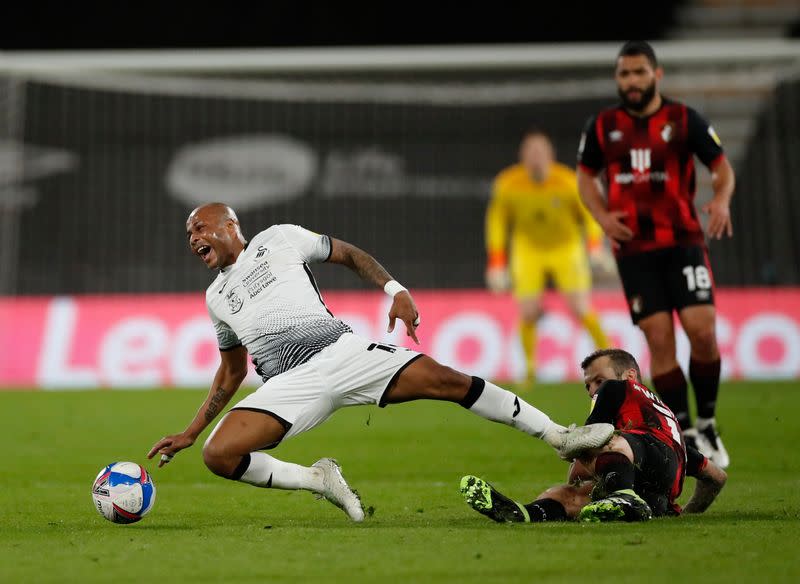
644	150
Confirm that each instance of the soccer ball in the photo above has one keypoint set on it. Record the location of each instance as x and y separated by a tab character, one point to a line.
123	492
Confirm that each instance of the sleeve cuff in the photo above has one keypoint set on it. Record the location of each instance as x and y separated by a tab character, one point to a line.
330	247
713	164
497	259
588	169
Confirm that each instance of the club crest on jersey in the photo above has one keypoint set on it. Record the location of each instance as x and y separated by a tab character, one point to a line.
261	251
234	301
666	131
615	135
636	304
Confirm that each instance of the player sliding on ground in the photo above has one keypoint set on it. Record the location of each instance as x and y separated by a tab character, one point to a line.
637	475
265	302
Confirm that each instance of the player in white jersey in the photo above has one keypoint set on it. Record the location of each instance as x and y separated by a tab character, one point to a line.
265	302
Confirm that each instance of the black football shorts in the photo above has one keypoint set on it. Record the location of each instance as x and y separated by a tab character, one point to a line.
666	279
658	468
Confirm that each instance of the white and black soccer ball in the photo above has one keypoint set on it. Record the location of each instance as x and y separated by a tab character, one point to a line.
123	492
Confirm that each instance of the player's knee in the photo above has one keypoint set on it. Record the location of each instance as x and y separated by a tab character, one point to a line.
448	384
703	339
217	460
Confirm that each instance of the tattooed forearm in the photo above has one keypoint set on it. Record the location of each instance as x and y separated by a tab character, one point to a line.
368	267
217	401
704	494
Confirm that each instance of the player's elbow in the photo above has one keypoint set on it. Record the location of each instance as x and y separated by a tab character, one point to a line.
721	479
715	475
233	367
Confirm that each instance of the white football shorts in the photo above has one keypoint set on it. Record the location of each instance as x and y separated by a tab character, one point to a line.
352	371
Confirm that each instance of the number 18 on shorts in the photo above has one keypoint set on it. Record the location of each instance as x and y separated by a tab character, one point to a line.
666	280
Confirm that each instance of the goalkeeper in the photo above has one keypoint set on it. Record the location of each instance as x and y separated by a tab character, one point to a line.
536	211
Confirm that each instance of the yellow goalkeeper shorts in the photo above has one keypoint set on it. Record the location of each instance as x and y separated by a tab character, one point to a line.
566	267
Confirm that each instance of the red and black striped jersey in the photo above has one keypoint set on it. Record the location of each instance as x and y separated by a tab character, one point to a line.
633	408
648	165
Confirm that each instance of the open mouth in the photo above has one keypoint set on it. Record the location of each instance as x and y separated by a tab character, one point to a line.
203	251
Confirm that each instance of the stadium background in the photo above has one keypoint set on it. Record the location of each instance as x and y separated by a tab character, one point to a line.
103	154
101	149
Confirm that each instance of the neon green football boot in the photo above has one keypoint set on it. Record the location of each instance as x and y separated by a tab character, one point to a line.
486	500
623	505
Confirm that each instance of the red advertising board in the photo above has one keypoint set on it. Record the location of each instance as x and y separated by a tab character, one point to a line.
142	341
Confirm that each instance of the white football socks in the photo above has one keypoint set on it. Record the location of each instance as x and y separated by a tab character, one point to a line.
267	471
500	405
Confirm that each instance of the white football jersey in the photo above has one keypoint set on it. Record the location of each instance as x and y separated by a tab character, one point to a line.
269	302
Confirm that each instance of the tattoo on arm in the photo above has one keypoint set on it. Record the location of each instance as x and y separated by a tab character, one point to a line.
368	267
704	494
217	401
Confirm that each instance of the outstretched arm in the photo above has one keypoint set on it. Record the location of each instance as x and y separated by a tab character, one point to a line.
368	268
363	264
230	374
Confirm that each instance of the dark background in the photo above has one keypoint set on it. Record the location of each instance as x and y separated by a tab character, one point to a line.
124	142
80	25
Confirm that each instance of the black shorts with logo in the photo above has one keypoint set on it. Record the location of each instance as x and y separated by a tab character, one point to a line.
657	469
666	279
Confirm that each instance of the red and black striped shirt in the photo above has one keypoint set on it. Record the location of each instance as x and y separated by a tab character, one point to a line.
649	170
633	408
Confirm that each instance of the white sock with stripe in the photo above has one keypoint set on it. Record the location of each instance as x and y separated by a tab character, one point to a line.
262	470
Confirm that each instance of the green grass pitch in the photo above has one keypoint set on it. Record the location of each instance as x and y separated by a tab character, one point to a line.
406	461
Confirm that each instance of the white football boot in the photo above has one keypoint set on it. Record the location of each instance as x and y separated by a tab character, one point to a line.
709	443
337	491
569	442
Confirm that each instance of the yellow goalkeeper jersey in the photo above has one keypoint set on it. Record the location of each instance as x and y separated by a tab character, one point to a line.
539	216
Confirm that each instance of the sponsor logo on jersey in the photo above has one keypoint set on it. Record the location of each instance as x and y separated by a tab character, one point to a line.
615	135
626	178
234	301
636	304
258	279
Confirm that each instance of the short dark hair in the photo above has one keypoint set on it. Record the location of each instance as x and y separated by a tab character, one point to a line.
621	361
635	48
